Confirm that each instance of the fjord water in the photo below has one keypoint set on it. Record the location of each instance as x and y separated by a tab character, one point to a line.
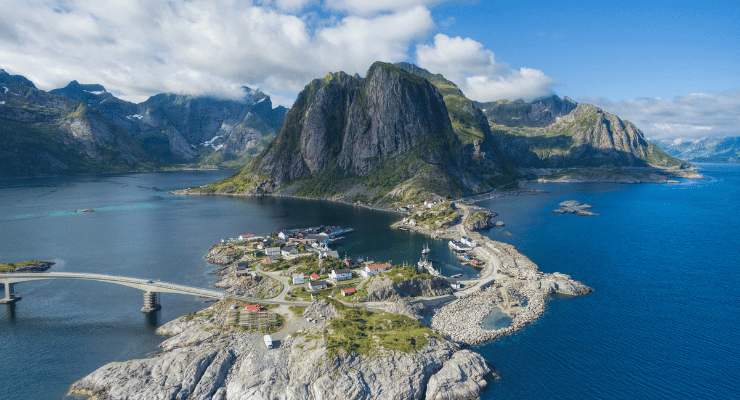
662	260
62	330
664	319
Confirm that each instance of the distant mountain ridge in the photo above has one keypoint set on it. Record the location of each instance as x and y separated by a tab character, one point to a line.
402	131
83	128
554	132
713	149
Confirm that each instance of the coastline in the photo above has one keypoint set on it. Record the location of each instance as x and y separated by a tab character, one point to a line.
509	281
196	192
202	358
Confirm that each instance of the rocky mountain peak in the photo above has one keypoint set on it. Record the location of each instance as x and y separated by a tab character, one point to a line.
536	113
14	83
355	124
94	88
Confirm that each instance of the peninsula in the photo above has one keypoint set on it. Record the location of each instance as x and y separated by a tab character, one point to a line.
341	327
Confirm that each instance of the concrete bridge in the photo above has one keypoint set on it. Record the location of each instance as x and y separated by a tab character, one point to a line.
150	288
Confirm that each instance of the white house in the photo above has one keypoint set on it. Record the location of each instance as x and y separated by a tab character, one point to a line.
299	279
340	275
282	235
372	269
273	252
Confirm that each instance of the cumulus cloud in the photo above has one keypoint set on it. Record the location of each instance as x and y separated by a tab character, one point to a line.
475	69
370	7
137	47
690	116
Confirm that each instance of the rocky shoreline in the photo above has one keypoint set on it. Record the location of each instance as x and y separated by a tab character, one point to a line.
520	291
509	281
204	358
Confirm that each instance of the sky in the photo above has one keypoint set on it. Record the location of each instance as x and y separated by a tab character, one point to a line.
672	67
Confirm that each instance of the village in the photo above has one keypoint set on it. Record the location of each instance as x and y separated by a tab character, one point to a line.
300	267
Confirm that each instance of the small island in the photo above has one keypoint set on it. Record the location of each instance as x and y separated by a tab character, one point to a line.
574	207
26	266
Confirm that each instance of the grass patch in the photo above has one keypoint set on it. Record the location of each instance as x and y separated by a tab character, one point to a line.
297	310
364	332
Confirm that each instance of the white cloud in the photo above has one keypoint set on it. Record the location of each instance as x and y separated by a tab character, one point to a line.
475	69
371	7
689	116
137	47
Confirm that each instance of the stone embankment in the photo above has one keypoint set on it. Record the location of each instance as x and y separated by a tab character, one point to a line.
519	289
509	281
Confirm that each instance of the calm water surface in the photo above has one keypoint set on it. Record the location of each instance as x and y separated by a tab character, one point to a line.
662	322
62	330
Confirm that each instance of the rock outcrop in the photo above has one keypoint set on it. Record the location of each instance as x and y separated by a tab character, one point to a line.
383	289
520	289
559	133
537	113
374	139
203	360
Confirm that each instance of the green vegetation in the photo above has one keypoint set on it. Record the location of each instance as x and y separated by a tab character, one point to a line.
306	265
399	274
440	216
467	122
359	331
297	310
12	267
301	293
477	218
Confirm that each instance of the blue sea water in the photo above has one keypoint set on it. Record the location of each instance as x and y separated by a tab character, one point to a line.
62	330
664	319
663	260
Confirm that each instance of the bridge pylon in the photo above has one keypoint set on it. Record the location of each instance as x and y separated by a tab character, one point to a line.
151	302
10	296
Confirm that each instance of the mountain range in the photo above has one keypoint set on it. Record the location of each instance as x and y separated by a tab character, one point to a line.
402	131
83	128
714	149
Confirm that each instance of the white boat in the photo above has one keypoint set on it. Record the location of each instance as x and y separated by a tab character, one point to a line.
458	246
426	249
468	241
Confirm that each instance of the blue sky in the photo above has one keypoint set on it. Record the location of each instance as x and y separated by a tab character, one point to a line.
615	49
672	67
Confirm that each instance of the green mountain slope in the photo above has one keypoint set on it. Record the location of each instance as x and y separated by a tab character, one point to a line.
381	139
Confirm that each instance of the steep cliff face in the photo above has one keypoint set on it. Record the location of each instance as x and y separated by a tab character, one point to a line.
354	124
559	133
377	138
